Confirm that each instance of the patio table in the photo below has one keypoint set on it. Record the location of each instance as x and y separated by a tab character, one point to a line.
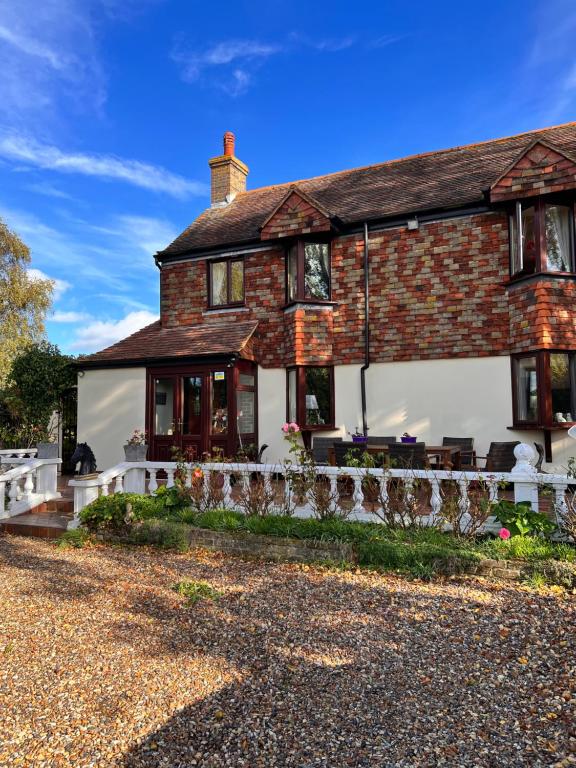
448	456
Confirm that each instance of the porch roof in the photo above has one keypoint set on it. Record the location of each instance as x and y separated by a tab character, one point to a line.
154	343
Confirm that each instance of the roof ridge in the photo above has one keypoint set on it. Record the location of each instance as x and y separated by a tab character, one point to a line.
415	156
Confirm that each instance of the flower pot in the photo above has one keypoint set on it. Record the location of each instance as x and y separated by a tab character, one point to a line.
47	450
135	452
359	439
408	439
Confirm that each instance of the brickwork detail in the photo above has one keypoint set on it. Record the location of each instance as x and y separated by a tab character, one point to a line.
228	177
540	171
542	315
308	335
295	216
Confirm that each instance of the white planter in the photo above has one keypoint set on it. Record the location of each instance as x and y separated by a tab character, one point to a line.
47	450
135	452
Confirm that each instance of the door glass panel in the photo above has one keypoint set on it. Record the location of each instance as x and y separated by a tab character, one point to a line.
164	406
527	389
192	410
245	412
219	405
246	379
561	385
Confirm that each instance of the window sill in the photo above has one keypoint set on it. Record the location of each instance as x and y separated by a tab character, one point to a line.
550	427
318	428
540	276
225	308
309	304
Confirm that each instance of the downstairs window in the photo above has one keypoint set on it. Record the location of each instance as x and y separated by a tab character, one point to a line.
310	397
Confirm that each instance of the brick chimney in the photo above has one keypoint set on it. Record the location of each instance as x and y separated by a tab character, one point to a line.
228	174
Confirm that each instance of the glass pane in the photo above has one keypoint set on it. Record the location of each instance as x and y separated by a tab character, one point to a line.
292	396
218	281
516	261
246	379
191	421
562	397
245	412
528	240
558	238
527	389
219	407
292	273
237	277
316	271
317	396
163	406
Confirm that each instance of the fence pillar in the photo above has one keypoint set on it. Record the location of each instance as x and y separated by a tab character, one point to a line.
47	480
84	494
135	480
526	487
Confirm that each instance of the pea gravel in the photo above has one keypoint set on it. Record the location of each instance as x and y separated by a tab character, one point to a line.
103	664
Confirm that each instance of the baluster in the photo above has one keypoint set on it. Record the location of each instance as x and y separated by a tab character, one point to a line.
267	482
29	486
358	496
435	500
170	478
227	490
14	492
288	494
383	509
153	482
492	490
119	486
560	506
464	504
334	494
188	480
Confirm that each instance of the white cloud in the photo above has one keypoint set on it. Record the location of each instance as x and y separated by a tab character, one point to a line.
69	317
220	54
26	150
102	333
49	190
31	47
147	233
60	286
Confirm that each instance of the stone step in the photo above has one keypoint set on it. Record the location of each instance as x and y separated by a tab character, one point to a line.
44	526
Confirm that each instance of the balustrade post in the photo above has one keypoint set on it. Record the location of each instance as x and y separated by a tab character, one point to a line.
526	487
135	480
83	496
47	480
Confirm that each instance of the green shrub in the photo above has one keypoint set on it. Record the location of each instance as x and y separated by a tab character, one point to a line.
527	548
521	520
77	538
115	513
194	591
165	534
552	572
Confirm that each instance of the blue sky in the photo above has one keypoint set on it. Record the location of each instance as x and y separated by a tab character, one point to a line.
110	109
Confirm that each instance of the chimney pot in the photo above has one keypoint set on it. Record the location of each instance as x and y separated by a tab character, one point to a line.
229	144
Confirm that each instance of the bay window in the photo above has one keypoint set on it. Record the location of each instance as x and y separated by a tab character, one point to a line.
226	283
310	396
308	272
542	237
544	388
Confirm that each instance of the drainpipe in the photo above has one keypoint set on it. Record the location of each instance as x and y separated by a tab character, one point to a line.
366	335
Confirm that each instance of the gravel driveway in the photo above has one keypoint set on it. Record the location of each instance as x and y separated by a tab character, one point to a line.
102	664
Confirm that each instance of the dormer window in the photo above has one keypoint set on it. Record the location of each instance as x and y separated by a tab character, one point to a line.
308	272
542	237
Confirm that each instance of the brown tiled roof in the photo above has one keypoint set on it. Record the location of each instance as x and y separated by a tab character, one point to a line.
154	342
445	179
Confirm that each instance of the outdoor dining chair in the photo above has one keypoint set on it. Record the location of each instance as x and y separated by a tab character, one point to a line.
500	457
467	453
321	447
408	456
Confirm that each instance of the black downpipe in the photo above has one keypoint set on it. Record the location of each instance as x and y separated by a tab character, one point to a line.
366	335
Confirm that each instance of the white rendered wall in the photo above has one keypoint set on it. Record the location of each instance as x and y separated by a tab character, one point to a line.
272	412
111	405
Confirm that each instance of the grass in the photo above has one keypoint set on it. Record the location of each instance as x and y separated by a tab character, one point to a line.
194	591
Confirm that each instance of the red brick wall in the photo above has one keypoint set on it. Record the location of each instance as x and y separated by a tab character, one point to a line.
296	216
435	292
542	315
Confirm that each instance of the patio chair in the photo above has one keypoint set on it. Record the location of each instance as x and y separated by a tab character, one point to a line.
467	454
408	456
500	457
375	440
321	447
342	448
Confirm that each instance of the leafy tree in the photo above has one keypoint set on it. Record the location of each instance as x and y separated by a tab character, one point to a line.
23	301
39	377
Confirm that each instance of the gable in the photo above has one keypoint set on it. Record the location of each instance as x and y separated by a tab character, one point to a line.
541	169
297	214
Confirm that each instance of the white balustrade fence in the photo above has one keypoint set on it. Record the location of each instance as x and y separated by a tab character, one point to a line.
358	493
26	482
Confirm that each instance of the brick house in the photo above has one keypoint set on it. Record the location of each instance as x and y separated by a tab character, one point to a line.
432	295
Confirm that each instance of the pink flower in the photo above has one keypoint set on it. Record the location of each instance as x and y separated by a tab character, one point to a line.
504	533
286	428
294	427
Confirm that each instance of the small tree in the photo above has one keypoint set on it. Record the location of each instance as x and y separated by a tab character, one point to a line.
37	381
23	301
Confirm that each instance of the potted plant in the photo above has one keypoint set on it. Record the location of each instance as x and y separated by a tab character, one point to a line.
407	438
357	436
136	447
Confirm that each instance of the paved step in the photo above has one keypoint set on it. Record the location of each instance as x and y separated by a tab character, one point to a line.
44	525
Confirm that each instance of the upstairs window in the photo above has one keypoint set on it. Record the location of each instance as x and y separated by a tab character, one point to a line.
226	283
542	237
308	272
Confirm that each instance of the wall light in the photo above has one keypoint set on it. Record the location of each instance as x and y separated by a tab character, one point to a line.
412	223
